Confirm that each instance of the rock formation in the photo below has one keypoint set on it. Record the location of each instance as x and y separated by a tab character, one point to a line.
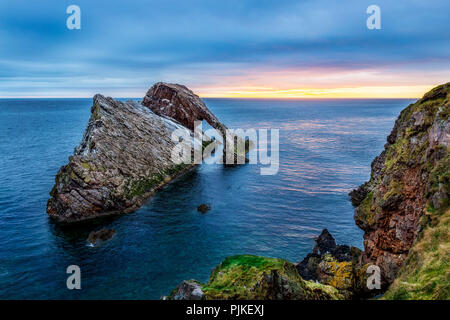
404	210
188	290
181	104
203	208
409	183
97	237
336	265
124	156
248	277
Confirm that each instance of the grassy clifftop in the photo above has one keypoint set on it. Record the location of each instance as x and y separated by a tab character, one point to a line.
404	207
248	277
404	210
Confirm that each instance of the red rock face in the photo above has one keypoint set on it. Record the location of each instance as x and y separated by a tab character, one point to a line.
182	105
179	103
391	204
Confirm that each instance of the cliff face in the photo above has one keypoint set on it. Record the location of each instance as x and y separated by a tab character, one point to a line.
124	156
403	210
409	183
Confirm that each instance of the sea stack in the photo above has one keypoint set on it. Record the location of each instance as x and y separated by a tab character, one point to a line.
125	153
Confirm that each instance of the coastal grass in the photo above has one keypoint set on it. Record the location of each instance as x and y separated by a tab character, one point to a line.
254	277
426	272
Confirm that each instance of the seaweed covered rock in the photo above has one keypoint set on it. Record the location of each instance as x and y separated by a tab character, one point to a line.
251	277
124	156
408	191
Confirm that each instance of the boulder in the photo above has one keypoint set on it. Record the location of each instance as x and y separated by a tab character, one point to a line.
97	237
203	208
187	290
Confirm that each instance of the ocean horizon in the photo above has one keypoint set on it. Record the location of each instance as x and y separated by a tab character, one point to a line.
326	147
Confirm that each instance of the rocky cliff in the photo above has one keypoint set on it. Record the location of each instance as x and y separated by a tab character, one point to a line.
403	210
409	183
248	277
125	154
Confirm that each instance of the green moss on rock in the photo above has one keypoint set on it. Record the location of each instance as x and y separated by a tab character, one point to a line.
249	277
141	186
253	277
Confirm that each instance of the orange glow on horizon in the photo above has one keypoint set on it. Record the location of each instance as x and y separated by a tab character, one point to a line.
312	93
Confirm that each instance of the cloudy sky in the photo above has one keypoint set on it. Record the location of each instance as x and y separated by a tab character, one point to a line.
224	48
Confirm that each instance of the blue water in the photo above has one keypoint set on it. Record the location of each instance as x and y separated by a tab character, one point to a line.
326	148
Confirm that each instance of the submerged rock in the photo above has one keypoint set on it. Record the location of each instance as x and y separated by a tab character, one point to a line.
96	237
203	208
123	158
248	277
409	181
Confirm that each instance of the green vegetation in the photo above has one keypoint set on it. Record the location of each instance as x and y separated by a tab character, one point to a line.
142	186
365	211
254	277
426	272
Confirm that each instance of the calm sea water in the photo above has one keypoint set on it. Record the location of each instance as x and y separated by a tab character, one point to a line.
326	148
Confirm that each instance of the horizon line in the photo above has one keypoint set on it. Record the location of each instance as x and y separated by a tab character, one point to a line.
218	97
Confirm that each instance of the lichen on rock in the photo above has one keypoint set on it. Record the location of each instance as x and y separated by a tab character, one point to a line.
336	265
408	188
124	157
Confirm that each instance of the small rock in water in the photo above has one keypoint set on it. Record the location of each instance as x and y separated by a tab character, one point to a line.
188	290
96	237
203	208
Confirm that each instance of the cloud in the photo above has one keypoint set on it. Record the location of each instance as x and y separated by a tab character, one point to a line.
124	46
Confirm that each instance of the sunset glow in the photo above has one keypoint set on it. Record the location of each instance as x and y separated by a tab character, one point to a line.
356	92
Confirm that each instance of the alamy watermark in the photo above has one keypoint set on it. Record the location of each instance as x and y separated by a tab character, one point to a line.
239	146
374	20
74	20
374	280
74	280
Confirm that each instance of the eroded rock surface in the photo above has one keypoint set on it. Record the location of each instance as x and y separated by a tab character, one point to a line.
124	156
409	180
335	265
188	290
181	104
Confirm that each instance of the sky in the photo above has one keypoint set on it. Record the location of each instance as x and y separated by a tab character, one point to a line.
224	48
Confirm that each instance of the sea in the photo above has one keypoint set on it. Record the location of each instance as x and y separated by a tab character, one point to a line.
325	150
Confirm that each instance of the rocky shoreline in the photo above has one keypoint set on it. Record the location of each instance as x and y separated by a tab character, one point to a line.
125	156
404	211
